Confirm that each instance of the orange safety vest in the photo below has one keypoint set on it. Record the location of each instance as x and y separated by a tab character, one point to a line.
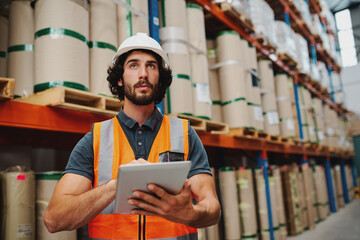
111	149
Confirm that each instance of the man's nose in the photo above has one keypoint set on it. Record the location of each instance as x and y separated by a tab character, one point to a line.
143	72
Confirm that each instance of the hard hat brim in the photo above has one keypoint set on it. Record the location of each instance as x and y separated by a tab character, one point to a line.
120	52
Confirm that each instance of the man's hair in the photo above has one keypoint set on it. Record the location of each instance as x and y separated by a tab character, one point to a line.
117	70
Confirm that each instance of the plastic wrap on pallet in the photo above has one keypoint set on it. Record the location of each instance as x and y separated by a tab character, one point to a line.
324	74
285	37
262	17
326	12
315	26
304	10
302	54
242	6
315	74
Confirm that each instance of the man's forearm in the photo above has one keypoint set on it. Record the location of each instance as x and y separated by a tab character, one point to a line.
205	215
70	212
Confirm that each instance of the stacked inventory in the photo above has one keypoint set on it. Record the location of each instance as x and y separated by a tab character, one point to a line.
284	106
319	120
286	39
268	98
307	115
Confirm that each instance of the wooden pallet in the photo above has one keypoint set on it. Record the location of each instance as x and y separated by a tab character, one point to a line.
200	124
265	43
243	132
289	61
69	98
305	76
238	17
7	86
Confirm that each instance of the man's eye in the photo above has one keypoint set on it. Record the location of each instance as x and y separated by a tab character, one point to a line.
133	65
152	66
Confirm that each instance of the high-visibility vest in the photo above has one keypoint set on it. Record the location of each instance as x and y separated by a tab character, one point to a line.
110	142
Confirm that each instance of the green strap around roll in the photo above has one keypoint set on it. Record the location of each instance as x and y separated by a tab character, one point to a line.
249	236
96	44
253	104
234	100
43	86
182	76
3	54
20	48
48	176
217	102
61	31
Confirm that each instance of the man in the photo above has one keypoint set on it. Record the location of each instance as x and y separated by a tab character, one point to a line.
139	134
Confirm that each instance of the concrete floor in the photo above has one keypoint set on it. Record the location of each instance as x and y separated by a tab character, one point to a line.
344	225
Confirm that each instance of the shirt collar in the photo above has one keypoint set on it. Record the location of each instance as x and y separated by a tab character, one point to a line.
151	123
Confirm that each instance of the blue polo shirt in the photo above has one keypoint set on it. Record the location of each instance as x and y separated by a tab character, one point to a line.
81	159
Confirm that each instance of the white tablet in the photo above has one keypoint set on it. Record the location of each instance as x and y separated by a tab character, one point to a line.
169	175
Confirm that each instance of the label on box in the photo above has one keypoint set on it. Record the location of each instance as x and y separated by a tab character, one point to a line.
24	230
290	124
272	117
203	92
330	132
312	130
21	177
258	114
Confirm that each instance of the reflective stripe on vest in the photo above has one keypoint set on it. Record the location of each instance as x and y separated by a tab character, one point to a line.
111	149
191	236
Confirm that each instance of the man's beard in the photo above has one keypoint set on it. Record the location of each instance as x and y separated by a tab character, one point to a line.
129	92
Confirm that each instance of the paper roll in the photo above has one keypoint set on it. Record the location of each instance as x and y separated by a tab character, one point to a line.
247	203
230	203
173	13
280	210
261	195
228	46
216	109
129	23
4	24
275	217
266	74
103	43
45	186
18	203
212	232
60	47
21	45
199	69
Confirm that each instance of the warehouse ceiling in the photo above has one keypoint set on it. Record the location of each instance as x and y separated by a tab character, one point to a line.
338	5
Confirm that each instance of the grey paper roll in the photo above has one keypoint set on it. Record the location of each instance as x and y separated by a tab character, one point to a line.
103	43
227	178
45	186
4	25
21	47
18	198
60	47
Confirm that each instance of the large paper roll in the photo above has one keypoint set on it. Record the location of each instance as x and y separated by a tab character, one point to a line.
199	69
173	13
129	23
21	47
275	217
18	204
61	49
262	204
216	109
45	186
227	177
280	210
232	81
4	25
103	43
212	232
247	204
179	98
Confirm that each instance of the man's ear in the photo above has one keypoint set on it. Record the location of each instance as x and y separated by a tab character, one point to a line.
120	82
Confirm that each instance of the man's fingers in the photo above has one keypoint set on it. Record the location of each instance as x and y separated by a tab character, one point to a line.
161	193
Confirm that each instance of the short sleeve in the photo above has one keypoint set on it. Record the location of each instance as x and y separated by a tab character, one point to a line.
197	155
81	160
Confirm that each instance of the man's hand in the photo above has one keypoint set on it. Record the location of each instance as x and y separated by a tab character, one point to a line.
139	161
177	208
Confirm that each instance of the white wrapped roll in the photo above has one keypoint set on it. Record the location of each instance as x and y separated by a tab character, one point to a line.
103	43
45	186
61	50
129	23
21	47
199	69
4	24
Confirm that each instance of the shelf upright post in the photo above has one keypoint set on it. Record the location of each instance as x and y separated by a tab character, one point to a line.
344	182
297	104
331	85
329	184
263	163
353	173
154	30
286	17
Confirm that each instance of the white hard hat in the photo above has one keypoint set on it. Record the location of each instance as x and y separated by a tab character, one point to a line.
140	41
